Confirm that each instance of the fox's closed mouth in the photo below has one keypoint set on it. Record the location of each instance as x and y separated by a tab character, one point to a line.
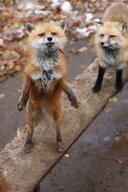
49	44
107	46
110	47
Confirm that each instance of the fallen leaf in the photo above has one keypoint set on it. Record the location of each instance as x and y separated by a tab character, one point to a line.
120	162
1	42
114	99
2	95
117	138
93	1
82	49
106	139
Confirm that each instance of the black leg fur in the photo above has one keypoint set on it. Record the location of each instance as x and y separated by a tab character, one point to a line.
98	84
72	98
119	80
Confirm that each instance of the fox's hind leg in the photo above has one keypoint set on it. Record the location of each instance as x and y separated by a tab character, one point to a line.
58	118
33	116
56	110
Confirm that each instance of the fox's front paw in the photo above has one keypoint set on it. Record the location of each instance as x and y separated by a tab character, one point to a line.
74	102
28	146
60	147
20	106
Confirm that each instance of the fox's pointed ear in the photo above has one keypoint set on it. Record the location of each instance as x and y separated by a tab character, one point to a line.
63	23
98	24
29	27
122	27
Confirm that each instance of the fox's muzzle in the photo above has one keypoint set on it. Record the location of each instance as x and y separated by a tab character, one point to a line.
50	44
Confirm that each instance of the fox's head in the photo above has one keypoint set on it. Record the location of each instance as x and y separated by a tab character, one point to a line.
110	35
47	37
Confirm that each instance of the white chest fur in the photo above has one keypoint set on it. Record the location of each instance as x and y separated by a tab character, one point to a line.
45	62
47	77
110	58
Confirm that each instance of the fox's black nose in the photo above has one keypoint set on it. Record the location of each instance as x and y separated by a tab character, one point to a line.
49	38
102	43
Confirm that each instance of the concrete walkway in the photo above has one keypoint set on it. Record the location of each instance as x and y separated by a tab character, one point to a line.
98	161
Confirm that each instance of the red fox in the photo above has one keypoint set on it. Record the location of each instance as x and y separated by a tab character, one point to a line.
45	78
111	42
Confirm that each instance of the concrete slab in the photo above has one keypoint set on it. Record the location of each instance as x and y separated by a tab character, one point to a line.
22	171
98	161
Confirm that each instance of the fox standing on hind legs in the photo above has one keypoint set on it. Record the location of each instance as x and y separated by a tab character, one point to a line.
45	78
111	42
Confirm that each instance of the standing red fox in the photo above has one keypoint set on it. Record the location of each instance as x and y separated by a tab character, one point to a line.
45	78
111	42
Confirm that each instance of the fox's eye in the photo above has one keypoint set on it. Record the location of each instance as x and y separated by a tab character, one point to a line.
41	34
112	36
101	35
53	33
